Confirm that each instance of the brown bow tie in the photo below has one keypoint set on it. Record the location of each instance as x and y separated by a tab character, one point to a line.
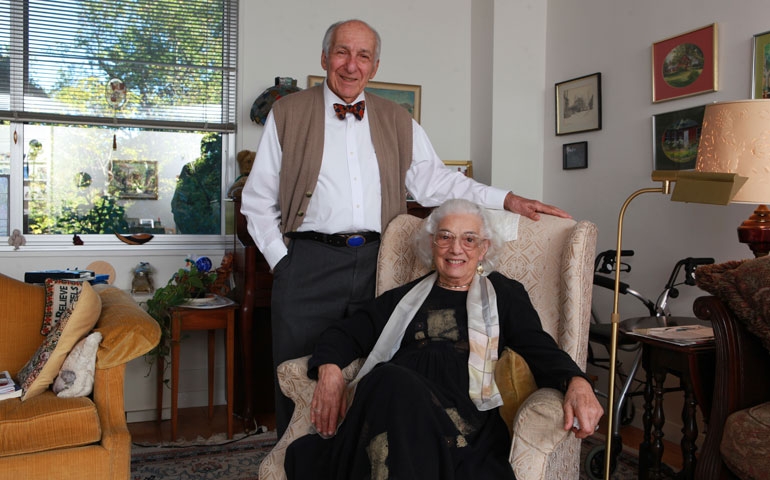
357	110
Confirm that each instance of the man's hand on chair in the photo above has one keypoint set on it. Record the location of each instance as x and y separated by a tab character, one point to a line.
531	208
580	404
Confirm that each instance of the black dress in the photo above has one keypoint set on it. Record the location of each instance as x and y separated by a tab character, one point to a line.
412	418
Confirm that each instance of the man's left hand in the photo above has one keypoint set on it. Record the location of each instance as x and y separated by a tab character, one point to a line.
531	208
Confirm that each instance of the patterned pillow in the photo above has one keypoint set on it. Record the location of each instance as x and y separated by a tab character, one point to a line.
41	370
60	296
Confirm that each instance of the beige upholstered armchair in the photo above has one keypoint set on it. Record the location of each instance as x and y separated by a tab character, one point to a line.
553	258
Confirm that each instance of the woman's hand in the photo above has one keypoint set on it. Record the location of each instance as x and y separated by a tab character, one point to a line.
531	208
580	403
329	401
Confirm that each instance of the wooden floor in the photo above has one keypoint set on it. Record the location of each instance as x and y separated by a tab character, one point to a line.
194	422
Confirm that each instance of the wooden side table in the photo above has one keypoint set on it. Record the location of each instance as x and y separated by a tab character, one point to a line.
196	318
694	365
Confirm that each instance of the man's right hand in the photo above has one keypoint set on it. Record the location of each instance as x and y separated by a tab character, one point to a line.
329	401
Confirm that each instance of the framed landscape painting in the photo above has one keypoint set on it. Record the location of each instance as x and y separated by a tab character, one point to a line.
408	96
760	78
134	179
685	65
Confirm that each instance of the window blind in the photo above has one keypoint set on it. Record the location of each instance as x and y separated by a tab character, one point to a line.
174	61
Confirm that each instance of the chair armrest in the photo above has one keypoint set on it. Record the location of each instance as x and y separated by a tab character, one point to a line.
538	435
740	357
295	384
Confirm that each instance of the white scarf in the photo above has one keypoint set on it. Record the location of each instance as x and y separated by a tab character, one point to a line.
483	335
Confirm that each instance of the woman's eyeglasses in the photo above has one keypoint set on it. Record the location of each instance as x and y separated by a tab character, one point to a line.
468	241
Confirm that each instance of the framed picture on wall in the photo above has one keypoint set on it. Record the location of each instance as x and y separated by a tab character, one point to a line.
760	71
675	138
408	96
574	155
685	64
579	104
463	166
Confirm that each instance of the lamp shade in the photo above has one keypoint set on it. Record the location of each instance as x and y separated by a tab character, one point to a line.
736	139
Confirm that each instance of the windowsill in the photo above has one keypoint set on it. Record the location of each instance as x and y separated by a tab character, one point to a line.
58	245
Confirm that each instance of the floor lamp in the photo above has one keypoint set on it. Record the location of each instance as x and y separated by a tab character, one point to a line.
733	165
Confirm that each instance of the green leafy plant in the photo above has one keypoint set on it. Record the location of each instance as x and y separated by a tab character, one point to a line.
185	284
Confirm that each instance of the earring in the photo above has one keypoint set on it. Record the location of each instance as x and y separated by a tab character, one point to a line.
480	269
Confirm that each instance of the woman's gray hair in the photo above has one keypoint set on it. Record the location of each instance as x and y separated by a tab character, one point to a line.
423	240
327	41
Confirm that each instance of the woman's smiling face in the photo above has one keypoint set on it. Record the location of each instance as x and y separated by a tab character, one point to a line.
458	247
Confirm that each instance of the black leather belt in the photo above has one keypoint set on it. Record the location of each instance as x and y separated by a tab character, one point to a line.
355	239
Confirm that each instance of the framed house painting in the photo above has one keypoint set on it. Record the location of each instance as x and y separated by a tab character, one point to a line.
579	104
134	179
675	138
685	65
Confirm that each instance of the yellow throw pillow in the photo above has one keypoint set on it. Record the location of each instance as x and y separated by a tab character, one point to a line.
41	370
515	382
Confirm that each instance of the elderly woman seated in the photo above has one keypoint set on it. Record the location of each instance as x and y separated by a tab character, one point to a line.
424	404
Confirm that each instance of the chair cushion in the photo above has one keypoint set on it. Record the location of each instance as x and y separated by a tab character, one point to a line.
515	381
745	447
47	422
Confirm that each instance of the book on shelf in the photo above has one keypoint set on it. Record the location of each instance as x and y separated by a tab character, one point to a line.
680	335
41	275
8	387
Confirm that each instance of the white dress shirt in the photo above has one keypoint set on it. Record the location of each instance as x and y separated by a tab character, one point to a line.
347	194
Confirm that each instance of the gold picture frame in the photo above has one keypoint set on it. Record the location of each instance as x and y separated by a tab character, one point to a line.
406	95
134	179
685	64
463	166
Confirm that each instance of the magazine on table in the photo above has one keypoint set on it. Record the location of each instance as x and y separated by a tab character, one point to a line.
680	335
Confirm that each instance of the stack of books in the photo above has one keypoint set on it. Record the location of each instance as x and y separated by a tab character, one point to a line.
41	275
8	388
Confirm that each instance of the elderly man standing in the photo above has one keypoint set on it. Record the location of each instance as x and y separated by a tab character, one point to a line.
334	166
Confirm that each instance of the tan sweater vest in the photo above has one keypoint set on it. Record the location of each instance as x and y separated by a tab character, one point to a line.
299	120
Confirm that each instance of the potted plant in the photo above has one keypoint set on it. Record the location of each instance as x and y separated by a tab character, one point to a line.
187	283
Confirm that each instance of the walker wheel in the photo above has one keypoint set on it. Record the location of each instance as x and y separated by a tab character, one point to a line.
594	463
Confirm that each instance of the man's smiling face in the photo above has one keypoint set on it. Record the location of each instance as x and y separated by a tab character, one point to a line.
351	61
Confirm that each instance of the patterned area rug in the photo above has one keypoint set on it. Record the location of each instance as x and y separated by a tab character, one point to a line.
626	465
215	458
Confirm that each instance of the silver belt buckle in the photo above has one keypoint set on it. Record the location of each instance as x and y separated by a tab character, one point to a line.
355	241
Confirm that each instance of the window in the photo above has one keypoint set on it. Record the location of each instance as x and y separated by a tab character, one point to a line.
116	117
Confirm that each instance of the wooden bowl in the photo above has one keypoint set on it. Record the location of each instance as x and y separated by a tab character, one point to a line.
135	239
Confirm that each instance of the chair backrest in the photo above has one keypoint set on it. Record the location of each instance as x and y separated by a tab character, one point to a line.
552	258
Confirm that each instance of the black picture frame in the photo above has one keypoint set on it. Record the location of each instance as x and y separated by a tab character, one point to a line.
675	138
575	155
579	104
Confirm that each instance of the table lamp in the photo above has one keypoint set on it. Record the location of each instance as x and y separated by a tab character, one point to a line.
736	139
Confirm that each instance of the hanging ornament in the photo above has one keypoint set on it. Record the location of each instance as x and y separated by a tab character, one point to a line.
116	98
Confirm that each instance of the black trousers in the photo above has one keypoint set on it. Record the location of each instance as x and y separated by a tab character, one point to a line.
314	286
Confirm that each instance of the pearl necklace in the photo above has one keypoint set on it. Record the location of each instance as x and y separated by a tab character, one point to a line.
452	287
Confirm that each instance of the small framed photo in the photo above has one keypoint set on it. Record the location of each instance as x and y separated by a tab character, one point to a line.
760	71
134	179
685	64
408	96
675	138
574	155
579	104
463	166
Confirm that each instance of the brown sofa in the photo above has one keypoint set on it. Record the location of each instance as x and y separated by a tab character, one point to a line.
81	438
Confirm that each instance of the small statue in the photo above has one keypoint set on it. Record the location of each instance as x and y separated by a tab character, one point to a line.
76	240
16	239
142	282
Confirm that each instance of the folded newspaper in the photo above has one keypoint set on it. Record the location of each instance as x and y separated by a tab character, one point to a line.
682	334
